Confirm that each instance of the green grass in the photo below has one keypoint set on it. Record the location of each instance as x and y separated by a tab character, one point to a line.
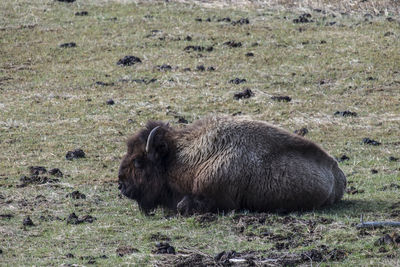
50	104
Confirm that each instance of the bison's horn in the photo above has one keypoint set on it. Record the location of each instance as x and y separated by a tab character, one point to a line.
150	138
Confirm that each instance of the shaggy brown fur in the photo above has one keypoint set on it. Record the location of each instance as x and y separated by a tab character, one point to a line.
228	163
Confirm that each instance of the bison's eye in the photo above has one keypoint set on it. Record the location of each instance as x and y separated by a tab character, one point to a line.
138	163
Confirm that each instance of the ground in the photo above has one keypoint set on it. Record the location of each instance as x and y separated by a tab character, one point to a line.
328	69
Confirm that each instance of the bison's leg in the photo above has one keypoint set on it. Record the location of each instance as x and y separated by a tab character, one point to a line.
190	205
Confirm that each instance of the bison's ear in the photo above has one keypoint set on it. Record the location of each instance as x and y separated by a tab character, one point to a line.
156	145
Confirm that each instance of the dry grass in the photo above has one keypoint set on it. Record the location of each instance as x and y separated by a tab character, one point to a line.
50	104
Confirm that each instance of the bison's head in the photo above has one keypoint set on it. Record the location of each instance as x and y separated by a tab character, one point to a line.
142	173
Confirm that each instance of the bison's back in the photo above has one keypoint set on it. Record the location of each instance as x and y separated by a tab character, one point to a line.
244	164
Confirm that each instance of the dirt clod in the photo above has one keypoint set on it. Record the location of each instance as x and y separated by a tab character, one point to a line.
241	21
206	218
233	44
281	98
194	259
75	154
56	172
70	255
352	190
249	54
371	142
37	170
389	239
302	132
163	248
391	158
27	221
198	48
76	195
200	68
343	158
82	13
34	179
304	18
122	251
74	219
246	93
164	67
6	216
345	113
129	61
66	1
104	83
237	81
68	45
110	102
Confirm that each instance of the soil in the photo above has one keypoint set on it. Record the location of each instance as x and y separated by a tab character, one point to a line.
246	93
82	13
163	248
75	154
389	239
122	251
345	113
371	142
74	219
68	45
237	81
76	195
302	132
129	61
281	98
233	44
193	259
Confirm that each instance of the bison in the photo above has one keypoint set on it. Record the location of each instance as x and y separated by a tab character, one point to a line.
223	163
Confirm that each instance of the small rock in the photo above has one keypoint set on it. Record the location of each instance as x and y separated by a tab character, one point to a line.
129	61
281	98
368	141
68	45
28	221
77	153
246	93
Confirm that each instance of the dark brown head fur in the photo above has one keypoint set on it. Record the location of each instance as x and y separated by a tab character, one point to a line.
142	174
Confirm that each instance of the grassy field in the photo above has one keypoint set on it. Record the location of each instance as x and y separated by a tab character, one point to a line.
55	99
